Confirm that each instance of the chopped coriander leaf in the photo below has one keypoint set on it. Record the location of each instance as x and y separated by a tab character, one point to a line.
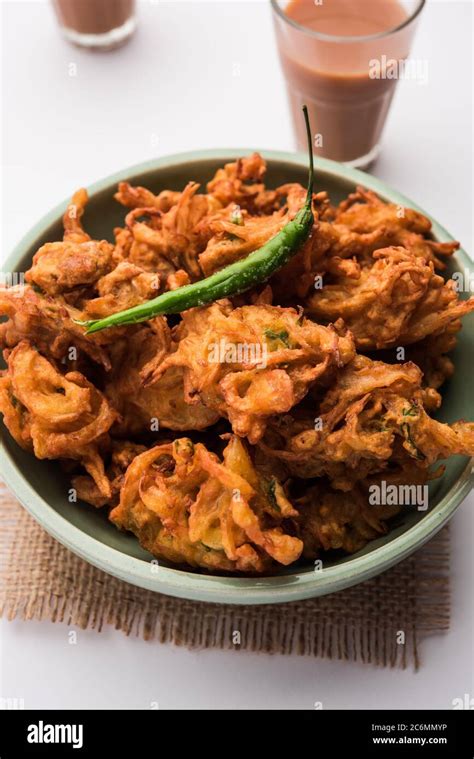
281	336
405	428
271	493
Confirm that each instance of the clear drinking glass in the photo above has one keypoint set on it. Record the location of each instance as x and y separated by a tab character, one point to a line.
343	59
96	24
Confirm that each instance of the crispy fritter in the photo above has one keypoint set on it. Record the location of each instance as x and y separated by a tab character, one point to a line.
237	236
241	182
250	363
62	266
161	405
140	197
126	286
333	520
232	234
373	415
397	301
172	240
56	416
186	506
364	212
430	354
48	323
122	454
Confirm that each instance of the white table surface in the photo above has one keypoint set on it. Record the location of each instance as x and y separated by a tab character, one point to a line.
200	75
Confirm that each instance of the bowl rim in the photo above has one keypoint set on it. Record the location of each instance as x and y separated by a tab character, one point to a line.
216	588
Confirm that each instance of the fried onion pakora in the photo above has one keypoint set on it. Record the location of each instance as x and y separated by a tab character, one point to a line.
174	237
163	403
398	300
62	266
185	505
122	454
241	182
244	435
333	520
250	363
124	287
49	324
232	234
56	416
371	417
364	212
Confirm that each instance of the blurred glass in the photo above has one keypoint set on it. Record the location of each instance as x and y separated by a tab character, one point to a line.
96	24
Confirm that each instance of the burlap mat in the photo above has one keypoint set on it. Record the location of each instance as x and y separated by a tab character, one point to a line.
381	621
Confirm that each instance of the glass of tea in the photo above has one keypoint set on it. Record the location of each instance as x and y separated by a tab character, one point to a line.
343	59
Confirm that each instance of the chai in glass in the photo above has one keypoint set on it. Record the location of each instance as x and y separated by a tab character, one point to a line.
339	57
96	24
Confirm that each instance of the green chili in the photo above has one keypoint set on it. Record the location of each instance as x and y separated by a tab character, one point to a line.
231	280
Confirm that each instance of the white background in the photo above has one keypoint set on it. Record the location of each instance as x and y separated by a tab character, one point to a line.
199	75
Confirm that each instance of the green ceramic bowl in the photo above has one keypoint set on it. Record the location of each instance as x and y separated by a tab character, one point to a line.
42	489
